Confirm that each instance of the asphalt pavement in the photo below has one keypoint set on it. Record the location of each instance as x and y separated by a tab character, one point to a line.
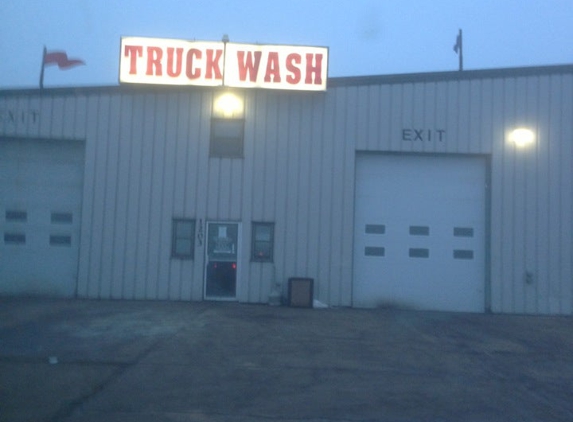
112	361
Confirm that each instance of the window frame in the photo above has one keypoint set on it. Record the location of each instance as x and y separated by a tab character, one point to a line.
270	243
174	238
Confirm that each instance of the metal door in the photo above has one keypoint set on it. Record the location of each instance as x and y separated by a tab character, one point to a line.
221	260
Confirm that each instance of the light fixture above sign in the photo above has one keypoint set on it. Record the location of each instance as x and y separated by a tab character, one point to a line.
179	62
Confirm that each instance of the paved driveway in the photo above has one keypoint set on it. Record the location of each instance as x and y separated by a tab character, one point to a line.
160	361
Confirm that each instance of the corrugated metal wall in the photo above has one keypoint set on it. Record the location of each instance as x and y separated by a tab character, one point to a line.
147	161
531	192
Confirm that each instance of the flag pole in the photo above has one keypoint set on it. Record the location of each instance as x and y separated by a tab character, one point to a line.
461	54
42	70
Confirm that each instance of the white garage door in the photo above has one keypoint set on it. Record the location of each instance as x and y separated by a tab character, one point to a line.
40	202
420	232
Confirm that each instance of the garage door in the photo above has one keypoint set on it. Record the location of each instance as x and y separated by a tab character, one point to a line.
420	232
40	203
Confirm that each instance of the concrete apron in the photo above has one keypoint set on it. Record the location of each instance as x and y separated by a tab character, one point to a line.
172	361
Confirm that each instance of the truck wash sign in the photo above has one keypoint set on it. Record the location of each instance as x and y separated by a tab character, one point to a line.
204	63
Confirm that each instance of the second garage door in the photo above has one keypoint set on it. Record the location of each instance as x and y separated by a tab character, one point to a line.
41	184
420	232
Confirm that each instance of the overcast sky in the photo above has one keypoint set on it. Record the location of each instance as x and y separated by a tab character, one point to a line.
365	37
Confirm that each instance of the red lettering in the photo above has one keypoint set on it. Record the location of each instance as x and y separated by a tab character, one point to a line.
291	62
192	54
133	52
247	66
273	68
154	55
316	69
170	70
212	64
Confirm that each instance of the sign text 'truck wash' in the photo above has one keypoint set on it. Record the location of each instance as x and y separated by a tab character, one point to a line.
180	62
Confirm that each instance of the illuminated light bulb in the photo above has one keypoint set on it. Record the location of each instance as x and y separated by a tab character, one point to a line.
522	137
228	104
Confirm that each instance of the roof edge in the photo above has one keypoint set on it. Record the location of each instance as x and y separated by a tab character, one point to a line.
339	81
451	75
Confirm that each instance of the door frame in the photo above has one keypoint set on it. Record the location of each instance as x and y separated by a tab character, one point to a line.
238	260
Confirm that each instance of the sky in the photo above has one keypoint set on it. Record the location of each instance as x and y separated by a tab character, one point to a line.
364	37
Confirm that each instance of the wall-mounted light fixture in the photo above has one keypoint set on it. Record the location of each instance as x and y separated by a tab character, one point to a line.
521	137
228	105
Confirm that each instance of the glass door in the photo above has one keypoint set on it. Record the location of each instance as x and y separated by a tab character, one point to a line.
221	261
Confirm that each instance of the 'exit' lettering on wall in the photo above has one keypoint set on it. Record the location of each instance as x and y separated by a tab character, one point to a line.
424	135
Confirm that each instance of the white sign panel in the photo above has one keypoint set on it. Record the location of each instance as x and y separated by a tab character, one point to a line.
179	62
273	66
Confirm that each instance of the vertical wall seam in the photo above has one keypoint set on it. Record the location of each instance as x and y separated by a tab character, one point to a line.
91	280
116	196
168	98
128	185
105	213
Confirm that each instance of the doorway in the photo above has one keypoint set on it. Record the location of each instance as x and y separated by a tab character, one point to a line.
221	261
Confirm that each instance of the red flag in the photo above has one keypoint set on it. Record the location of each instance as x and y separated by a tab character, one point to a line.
61	59
458	44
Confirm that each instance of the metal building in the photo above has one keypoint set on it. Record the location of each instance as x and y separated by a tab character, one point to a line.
407	190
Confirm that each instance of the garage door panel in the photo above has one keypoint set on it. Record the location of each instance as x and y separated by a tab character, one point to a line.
432	210
63	175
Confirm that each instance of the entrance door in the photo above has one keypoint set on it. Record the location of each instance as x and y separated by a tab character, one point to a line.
221	261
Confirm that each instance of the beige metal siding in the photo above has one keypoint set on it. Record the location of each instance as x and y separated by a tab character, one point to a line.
147	161
145	171
531	188
531	201
295	163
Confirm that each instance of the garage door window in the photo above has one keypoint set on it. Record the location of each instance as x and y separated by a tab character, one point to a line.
375	229
419	253
60	240
61	218
14	238
374	251
16	216
463	232
419	230
463	254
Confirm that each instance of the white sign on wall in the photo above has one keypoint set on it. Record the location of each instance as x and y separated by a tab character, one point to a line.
179	62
